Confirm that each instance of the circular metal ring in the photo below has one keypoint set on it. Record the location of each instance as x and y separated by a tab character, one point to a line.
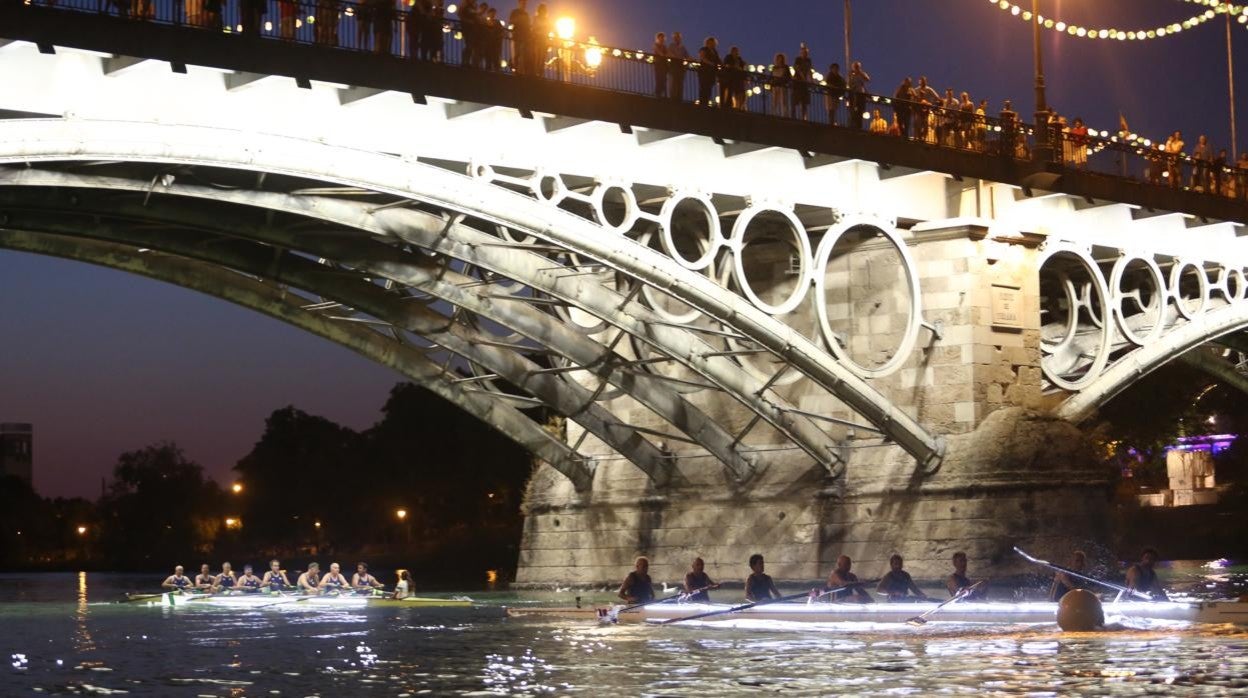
1159	301
737	243
547	188
1102	352
826	247
1176	279
715	232
598	201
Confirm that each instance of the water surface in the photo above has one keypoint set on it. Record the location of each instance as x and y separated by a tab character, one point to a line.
62	635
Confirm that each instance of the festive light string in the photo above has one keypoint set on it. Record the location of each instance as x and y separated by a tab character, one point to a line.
1216	7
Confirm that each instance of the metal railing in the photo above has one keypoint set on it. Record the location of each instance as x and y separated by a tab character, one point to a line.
382	28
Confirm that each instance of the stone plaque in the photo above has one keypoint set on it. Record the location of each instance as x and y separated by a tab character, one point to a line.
1007	307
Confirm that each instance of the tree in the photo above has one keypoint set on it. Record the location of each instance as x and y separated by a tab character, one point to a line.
158	507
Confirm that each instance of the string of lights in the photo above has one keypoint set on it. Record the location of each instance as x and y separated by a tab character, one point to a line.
1215	8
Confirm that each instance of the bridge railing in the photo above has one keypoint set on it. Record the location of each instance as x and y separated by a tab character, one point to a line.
384	29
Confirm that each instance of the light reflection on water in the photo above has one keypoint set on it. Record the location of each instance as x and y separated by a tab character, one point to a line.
79	645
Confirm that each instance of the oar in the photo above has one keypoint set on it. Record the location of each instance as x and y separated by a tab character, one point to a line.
962	594
742	607
614	613
1073	573
284	601
141	597
838	590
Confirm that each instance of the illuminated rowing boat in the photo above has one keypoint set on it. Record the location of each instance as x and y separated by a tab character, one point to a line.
297	601
963	612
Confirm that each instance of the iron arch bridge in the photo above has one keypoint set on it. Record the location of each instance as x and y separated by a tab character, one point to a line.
549	289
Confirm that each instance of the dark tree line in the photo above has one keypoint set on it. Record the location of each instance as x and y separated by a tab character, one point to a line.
308	487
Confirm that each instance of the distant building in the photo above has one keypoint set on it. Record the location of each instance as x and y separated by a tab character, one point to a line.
1189	465
17	450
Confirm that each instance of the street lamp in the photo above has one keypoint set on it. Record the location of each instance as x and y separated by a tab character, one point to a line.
400	514
237	488
565	28
82	530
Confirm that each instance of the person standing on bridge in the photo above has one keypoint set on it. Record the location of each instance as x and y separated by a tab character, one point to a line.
857	81
1201	155
903	98
659	56
432	47
780	80
803	76
287	17
383	26
734	76
521	27
836	92
326	22
677	66
1174	158
363	23
252	15
636	587
540	40
708	69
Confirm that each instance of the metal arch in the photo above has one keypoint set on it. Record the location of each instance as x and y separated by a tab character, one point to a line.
1213	324
50	140
416	272
564	397
277	303
1216	367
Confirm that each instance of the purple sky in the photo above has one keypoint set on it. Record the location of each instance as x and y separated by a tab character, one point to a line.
102	362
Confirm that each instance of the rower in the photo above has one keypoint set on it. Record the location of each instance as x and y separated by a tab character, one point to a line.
308	582
403	587
226	580
333	582
249	583
1142	577
842	577
205	581
362	581
636	587
958	581
759	587
275	579
1063	582
898	584
177	581
698	579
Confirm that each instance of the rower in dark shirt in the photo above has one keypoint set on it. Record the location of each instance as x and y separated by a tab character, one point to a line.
1063	582
697	580
958	581
897	584
177	581
842	577
759	587
1142	577
636	587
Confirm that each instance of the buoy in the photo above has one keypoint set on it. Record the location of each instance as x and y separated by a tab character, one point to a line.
1079	610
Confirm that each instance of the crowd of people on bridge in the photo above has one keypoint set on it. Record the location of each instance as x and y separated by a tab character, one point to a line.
786	88
895	586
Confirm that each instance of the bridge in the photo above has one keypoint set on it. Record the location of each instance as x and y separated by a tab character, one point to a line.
746	332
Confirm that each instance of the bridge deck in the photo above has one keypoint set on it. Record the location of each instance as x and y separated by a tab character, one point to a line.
623	102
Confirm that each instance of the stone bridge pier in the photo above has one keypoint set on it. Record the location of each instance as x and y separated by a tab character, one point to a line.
1012	474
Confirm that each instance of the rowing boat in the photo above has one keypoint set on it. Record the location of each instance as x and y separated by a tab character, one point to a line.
298	601
963	612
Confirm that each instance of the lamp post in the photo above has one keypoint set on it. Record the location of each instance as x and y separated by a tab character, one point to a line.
1042	150
1230	81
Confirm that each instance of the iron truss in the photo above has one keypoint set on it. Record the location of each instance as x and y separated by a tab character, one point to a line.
498	291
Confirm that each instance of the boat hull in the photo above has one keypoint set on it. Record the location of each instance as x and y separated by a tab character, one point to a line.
256	601
965	612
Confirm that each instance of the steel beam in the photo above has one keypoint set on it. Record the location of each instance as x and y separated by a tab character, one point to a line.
278	303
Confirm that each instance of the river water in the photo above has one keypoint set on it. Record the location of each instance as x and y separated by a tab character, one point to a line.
62	634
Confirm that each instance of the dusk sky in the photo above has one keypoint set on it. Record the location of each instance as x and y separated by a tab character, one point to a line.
102	362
